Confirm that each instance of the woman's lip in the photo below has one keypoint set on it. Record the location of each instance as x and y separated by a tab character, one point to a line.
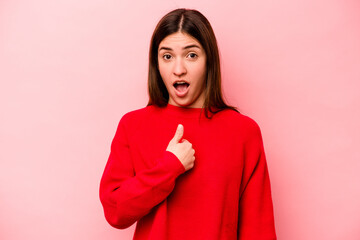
181	94
180	80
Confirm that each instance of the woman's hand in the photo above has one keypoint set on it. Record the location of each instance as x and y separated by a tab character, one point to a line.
182	150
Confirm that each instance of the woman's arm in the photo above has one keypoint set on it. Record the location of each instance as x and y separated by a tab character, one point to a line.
126	196
256	218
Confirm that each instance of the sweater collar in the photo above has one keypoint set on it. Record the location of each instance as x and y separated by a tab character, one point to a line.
183	112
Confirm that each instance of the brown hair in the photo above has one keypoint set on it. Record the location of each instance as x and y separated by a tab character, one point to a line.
195	24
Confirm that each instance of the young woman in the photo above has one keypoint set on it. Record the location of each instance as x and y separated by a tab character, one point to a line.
187	166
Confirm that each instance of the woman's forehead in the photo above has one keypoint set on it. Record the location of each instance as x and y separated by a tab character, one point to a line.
180	40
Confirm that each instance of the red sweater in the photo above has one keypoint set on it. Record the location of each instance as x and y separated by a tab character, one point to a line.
226	195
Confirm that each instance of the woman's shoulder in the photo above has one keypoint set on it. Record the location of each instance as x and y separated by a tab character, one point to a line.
239	121
237	118
131	121
137	114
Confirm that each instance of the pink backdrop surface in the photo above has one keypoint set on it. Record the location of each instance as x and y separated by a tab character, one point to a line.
70	69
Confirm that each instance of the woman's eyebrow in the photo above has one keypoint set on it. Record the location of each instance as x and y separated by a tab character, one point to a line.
186	47
165	48
191	46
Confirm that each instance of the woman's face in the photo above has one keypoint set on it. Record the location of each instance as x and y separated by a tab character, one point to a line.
182	66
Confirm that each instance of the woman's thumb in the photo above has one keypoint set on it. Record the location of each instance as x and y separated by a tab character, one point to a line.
179	133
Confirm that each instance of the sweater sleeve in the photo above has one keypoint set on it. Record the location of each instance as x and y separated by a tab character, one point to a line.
256	218
127	195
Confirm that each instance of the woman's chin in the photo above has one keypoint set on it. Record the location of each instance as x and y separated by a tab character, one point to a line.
185	104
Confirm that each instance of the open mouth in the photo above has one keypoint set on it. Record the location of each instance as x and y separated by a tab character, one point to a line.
181	86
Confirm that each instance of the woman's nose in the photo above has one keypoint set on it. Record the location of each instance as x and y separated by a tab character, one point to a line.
179	68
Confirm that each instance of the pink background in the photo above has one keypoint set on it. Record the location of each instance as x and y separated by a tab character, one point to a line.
70	69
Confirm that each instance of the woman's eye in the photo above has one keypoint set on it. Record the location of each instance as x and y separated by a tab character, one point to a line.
167	56
192	55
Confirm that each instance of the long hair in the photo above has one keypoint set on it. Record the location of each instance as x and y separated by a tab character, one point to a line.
195	24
